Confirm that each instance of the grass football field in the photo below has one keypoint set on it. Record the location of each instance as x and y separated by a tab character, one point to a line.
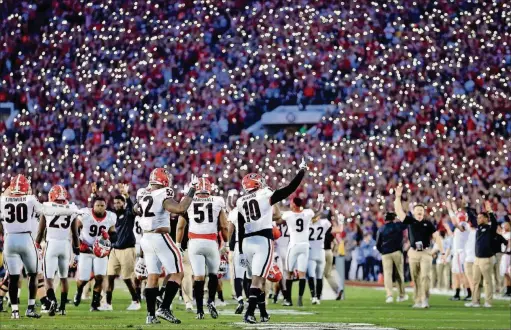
364	308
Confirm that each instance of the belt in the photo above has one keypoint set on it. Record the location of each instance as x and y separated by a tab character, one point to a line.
212	236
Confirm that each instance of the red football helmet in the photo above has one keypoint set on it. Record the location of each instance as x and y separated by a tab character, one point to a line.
101	247
58	193
253	181
204	187
19	185
275	274
276	233
462	216
160	176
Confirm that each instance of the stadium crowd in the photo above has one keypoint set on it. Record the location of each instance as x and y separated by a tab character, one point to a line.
109	90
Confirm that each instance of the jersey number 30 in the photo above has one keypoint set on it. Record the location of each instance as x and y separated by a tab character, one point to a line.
18	212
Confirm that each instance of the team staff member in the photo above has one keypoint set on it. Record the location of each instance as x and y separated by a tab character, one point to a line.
123	255
485	236
389	241
329	260
420	232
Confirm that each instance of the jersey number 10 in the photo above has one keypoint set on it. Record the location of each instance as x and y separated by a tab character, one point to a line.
252	211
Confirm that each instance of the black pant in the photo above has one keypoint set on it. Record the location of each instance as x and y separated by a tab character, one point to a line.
369	268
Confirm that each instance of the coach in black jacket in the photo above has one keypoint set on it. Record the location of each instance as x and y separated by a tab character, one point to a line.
389	241
123	255
485	237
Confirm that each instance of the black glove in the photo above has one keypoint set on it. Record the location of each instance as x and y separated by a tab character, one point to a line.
76	250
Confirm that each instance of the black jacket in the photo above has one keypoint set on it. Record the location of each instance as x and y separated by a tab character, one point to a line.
124	227
389	238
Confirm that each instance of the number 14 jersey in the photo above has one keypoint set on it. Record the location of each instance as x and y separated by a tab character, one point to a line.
257	210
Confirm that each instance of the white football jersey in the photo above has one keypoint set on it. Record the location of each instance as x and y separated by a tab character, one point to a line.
470	246
317	233
154	216
19	214
203	214
256	210
233	218
460	237
59	226
283	240
298	225
92	226
137	230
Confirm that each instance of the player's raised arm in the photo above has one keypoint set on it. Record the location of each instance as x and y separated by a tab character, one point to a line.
319	209
398	206
285	192
172	206
451	206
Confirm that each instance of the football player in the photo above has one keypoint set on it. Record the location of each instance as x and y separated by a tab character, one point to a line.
317	259
255	234
205	215
238	269
137	230
281	246
58	248
19	210
298	221
460	238
155	203
94	223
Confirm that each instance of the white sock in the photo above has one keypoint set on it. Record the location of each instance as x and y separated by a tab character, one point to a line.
14	307
31	302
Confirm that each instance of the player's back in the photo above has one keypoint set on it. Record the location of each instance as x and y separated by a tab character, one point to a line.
19	213
154	215
58	227
317	233
93	226
256	210
203	214
298	225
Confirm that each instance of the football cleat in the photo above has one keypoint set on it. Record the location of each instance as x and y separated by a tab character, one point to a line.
200	316
300	302
417	305
45	309
471	304
314	300
212	310
77	299
53	308
189	307
389	300
287	303
401	299
134	306
152	320
240	308
15	315
221	303
167	316
467	298
265	318
425	304
318	302
487	305
159	301
250	319
106	307
32	314
455	298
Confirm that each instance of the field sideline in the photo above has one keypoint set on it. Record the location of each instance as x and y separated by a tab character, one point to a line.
363	305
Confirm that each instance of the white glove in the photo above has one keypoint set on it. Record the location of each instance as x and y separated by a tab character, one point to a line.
140	268
194	181
232	192
243	261
321	198
303	165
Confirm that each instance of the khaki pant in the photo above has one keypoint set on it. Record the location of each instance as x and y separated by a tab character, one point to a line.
329	262
122	262
483	268
498	280
389	260
469	272
420	269
187	284
442	272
